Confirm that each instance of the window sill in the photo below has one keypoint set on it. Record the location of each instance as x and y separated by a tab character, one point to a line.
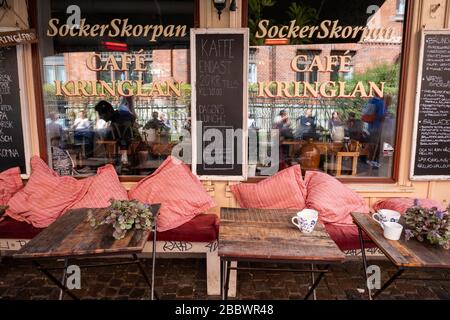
381	188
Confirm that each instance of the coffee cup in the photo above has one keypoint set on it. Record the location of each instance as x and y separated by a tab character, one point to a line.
392	230
386	215
306	220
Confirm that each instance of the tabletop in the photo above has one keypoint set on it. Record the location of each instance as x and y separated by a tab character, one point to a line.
256	234
72	236
402	253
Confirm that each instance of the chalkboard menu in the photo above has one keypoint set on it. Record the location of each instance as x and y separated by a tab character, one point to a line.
12	152
431	148
219	111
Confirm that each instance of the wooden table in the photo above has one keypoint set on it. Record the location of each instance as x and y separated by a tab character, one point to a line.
269	236
404	255
72	238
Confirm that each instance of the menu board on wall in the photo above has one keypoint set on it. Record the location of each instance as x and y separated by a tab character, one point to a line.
12	151
431	147
219	103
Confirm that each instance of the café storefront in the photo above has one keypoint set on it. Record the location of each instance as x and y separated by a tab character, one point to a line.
329	69
329	85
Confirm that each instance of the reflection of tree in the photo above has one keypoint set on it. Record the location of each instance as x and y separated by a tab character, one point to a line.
303	15
255	14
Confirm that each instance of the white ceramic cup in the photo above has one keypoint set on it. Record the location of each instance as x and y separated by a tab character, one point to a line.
386	215
392	230
306	220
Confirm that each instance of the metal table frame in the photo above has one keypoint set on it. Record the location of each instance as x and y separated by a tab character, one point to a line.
226	269
135	260
396	276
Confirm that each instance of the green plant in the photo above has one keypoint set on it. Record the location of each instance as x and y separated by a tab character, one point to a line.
255	9
303	15
124	216
428	224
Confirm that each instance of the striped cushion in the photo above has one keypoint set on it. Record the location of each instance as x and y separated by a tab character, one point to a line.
285	190
10	183
105	186
334	201
46	196
403	204
180	193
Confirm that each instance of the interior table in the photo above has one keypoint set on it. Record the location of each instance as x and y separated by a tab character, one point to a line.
71	238
269	236
405	255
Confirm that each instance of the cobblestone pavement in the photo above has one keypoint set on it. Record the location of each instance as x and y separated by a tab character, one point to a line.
186	279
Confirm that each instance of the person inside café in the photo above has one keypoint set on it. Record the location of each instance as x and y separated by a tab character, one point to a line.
306	126
354	128
121	126
336	127
375	131
283	125
83	135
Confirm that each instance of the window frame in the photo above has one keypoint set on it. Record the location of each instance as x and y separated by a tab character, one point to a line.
39	84
402	94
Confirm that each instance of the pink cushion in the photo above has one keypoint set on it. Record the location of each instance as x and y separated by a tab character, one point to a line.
10	183
105	186
347	237
202	228
334	201
180	193
285	190
403	204
46	196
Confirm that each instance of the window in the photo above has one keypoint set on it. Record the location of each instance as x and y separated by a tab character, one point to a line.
253	69
54	69
400	10
307	76
115	99
327	101
335	74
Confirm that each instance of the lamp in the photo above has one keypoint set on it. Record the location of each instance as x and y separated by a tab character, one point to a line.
219	5
233	6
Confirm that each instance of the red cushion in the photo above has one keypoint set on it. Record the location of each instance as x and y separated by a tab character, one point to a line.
105	186
203	228
10	183
347	237
334	201
13	229
403	204
46	196
285	190
180	193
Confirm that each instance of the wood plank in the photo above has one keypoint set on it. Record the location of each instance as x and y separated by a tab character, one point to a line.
402	253
72	236
257	234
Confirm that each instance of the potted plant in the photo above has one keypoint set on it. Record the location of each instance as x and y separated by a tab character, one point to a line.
432	225
124	216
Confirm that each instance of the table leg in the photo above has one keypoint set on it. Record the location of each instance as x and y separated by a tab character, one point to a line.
227	270
363	253
153	266
61	292
389	282
144	274
313	278
54	280
316	283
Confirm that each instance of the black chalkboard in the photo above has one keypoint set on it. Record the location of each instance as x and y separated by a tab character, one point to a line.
220	81
431	150
12	153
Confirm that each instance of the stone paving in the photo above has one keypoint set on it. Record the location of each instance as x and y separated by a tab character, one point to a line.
186	279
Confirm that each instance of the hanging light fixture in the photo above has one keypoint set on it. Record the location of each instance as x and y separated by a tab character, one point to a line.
219	5
233	6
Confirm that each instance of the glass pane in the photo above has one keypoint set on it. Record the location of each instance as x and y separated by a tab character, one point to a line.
116	100
327	86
